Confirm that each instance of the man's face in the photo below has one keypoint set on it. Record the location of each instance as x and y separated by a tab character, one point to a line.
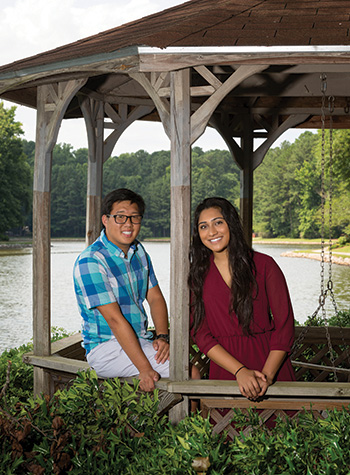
122	235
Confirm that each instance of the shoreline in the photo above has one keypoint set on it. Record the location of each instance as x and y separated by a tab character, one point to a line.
288	243
342	261
315	255
14	246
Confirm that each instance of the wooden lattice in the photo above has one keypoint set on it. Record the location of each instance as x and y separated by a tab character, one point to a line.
222	411
313	350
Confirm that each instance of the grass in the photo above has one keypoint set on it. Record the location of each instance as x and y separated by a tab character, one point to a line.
345	249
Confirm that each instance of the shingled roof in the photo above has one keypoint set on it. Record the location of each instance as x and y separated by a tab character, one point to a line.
216	23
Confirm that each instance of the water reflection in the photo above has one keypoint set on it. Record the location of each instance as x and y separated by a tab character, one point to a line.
15	297
302	275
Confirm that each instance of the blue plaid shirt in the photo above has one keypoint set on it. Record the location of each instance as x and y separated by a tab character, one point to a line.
102	275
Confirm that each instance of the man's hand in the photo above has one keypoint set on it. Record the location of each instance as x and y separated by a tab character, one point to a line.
162	349
147	379
251	383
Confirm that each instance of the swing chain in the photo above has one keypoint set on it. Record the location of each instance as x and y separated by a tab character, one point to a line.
323	294
331	109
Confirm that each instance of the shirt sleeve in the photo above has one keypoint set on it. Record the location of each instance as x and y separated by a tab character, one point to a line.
281	308
92	283
152	279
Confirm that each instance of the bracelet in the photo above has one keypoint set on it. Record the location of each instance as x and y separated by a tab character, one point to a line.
163	337
239	369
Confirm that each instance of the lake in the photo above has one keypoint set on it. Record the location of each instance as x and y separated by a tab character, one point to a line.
302	275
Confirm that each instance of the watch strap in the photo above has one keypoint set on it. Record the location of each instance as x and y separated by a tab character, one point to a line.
163	337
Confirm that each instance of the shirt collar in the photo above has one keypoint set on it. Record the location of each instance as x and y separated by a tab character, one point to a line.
115	250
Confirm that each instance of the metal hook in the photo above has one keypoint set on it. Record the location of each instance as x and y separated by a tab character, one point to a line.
323	78
331	101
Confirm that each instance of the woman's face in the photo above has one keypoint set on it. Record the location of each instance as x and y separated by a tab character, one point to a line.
213	230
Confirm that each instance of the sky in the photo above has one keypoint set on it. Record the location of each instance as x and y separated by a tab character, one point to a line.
29	27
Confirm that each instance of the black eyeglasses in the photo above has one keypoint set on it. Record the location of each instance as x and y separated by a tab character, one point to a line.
122	218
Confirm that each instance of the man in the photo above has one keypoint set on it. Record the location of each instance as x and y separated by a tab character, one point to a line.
112	278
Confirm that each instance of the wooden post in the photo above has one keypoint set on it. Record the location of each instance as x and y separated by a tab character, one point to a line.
94	184
246	199
52	101
41	242
93	112
180	231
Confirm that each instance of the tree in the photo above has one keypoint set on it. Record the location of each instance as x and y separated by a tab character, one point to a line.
286	193
68	196
274	202
341	155
15	173
214	173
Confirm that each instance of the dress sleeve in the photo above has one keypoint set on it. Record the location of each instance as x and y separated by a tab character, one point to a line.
281	308
203	337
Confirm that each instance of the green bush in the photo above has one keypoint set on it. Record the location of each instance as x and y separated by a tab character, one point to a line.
20	375
341	319
16	375
343	240
295	446
100	428
108	427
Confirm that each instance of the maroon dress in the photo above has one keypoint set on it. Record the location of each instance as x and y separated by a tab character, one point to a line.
272	327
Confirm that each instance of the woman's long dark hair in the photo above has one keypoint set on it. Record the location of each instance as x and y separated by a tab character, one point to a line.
241	264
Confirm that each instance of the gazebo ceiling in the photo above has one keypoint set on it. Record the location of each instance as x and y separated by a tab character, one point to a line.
297	39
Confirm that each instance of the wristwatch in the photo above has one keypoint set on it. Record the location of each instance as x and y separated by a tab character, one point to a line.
163	337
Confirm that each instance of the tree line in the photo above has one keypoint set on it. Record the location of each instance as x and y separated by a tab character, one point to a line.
287	185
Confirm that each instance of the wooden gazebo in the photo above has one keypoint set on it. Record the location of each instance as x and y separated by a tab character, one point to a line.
249	69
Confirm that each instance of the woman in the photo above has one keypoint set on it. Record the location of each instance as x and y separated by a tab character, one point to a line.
241	314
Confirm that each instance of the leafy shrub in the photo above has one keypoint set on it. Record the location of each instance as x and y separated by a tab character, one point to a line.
296	446
110	427
343	240
19	374
96	427
341	319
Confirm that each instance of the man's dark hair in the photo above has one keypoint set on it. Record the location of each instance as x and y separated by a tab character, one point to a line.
122	194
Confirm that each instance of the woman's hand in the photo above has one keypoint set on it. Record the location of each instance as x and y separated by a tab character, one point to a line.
264	385
251	383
